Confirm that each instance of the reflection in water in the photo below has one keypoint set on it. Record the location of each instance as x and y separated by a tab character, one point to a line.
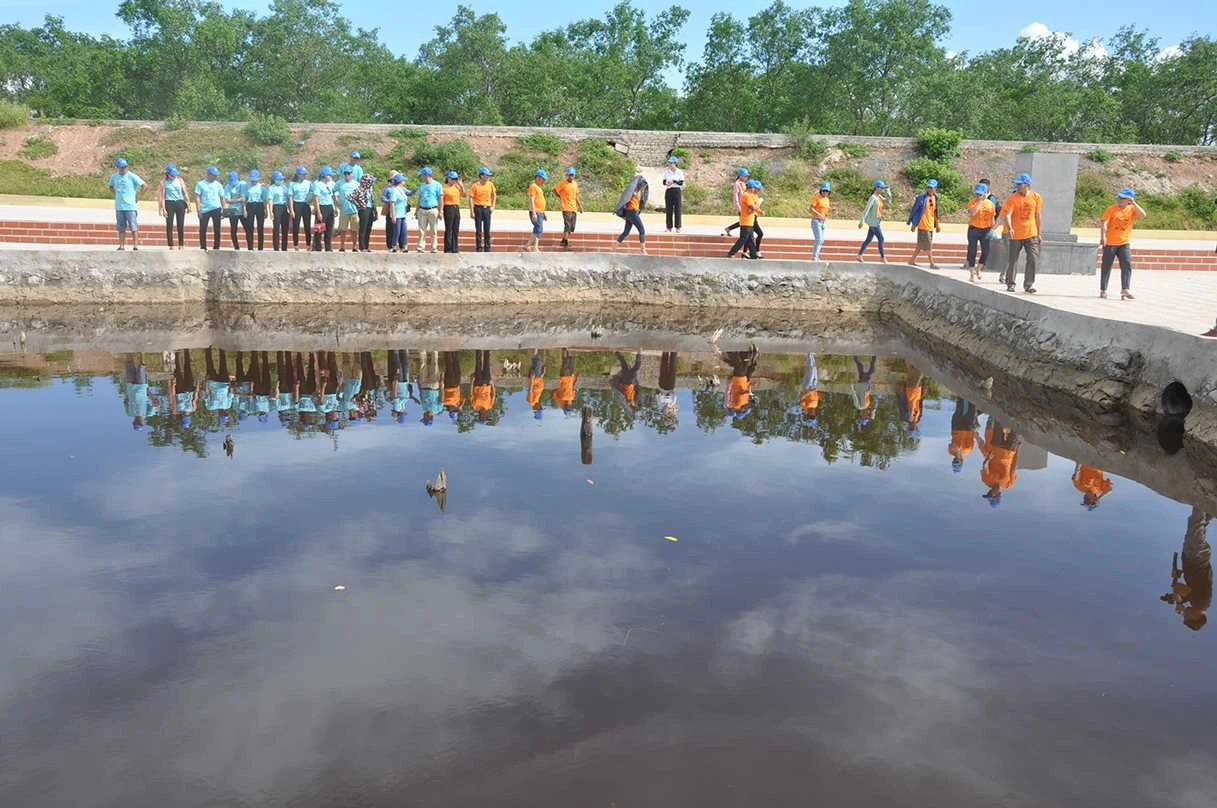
305	627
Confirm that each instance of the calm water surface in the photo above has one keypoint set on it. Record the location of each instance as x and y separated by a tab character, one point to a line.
876	601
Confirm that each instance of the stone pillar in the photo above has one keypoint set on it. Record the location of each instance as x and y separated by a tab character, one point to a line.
1055	176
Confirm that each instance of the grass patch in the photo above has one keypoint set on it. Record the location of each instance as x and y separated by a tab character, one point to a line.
603	173
407	133
38	147
806	145
698	199
268	130
1030	148
542	142
13	115
1173	156
176	122
192	149
1099	156
683	155
17	177
850	183
854	150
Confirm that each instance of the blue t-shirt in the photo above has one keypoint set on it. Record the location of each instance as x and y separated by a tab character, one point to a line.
307	403
185	402
255	192
329	403
356	172
401	394
286	402
350	389
300	190
264	405
429	194
236	196
398	198
211	194
343	192
175	189
125	185
277	193
137	403
219	396
324	193
429	396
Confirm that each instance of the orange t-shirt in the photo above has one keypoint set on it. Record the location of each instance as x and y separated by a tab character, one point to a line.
821	204
929	218
536	194
747	209
998	471
739	393
536	387
635	202
913	394
629	391
810	399
452	396
482	193
962	442
564	395
1090	480
983	214
1119	224
568	192
482	397
1022	210
452	193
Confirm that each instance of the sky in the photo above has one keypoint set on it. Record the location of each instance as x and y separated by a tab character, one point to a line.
975	26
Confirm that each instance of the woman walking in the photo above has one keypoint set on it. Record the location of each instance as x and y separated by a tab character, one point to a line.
453	191
981	216
1115	233
749	209
673	193
278	196
629	207
821	204
482	200
173	202
234	211
872	218
255	209
300	189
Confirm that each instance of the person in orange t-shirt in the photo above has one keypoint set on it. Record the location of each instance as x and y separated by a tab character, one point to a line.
809	399
451	396
564	394
924	220
631	211
481	389
625	381
749	209
910	399
821	204
1093	484
963	433
1000	447
1022	215
536	209
483	197
1115	233
738	396
536	384
454	189
981	216
567	190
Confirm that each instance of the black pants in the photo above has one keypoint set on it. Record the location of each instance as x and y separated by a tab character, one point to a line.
667	371
302	217
279	227
481	227
452	369
745	241
307	381
183	377
326	216
1110	254
481	367
399	368
978	236
757	235
175	212
212	217
214	374
285	370
672	199
366	217
233	220
452	228
255	220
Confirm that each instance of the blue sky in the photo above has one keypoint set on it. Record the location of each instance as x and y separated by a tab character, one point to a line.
974	26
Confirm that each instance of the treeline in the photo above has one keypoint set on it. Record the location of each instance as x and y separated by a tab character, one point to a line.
874	67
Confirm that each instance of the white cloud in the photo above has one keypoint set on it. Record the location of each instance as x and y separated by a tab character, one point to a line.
1170	52
1068	44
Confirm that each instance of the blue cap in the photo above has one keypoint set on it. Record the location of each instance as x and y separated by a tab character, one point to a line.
880	184
346	169
171	170
331	425
1127	193
931	183
956	465
326	171
301	171
570	172
743	172
255	174
484	170
224	418
355	155
425	171
241	415
537	414
186	421
138	427
994	500
212	171
452	175
262	418
233	176
672	158
396	178
826	186
276	175
427	422
452	415
401	417
980	188
542	174
1022	179
120	163
754	184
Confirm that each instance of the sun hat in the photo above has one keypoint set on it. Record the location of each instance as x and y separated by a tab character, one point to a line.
880	184
301	171
120	163
233	176
826	186
743	172
276	175
484	170
1022	179
1127	193
425	171
212	171
570	172
171	170
355	156
347	170
980	188
255	174
326	171
672	158
452	175
931	183
542	173
754	184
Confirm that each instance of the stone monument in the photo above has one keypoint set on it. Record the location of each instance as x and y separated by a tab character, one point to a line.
1055	176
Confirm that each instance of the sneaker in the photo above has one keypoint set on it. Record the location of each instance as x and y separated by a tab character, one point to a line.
1030	290
1126	295
1212	332
1009	287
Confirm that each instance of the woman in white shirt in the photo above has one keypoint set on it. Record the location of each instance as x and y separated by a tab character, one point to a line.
673	184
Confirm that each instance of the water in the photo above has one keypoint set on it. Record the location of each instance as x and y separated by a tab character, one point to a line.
843	618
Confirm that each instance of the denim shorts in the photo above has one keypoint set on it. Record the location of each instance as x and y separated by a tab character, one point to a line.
538	224
127	220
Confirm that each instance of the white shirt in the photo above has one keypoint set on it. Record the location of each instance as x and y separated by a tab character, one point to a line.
673	176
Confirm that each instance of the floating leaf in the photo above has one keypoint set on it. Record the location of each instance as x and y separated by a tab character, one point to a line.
671	538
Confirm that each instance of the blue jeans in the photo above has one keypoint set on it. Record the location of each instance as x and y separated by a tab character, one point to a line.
127	220
632	220
538	224
876	233
817	232
396	233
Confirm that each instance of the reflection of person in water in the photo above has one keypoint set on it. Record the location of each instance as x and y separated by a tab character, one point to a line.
564	394
1193	596
399	382
585	437
266	390
1000	447
665	399
329	385
244	396
862	392
368	400
738	397
625	380
481	391
288	388
963	433
1093	484
183	390
138	400
536	383
306	386
910	399
219	387
428	385
452	399
809	399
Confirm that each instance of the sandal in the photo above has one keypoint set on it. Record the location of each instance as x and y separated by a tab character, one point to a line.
1126	295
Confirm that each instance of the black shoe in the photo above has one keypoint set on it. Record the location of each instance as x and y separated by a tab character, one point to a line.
1009	287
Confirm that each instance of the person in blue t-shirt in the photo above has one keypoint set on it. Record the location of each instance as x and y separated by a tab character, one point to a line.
139	401
255	209
397	207
277	196
234	209
209	196
183	390
173	202
125	185
429	193
322	194
348	216
220	389
299	207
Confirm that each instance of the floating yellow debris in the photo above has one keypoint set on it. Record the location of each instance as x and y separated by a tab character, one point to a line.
340	588
671	538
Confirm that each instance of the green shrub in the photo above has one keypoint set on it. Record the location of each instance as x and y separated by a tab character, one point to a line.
1091	197
603	167
760	170
176	122
806	145
13	115
683	155
38	147
515	170
1030	148
923	168
452	155
268	130
408	133
850	183
1172	156
939	144
1099	155
854	150
697	198
17	177
542	142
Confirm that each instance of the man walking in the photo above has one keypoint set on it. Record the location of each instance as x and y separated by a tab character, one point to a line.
1022	214
1115	233
567	190
923	220
125	185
